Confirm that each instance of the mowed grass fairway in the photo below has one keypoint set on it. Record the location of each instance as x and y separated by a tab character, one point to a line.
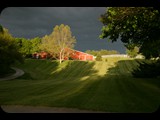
99	85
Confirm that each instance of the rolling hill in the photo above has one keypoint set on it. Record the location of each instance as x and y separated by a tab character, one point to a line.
98	85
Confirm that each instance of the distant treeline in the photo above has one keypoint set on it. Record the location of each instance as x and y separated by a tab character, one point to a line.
102	52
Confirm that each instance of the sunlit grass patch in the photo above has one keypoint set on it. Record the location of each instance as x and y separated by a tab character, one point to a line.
92	85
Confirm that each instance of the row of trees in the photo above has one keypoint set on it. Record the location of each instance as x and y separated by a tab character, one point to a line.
16	49
130	52
55	43
28	46
101	52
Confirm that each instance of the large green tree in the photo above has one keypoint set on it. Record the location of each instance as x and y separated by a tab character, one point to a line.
24	46
35	44
135	26
58	42
28	46
9	52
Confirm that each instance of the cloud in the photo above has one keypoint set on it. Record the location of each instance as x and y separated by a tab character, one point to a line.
31	22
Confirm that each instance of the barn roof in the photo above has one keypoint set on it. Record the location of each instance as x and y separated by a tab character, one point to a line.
81	52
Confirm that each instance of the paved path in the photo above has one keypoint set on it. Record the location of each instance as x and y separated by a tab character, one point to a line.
42	109
18	73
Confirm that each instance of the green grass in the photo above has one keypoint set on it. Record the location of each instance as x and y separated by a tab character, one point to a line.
103	86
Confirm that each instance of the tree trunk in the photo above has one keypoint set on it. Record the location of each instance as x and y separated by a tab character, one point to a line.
60	57
60	60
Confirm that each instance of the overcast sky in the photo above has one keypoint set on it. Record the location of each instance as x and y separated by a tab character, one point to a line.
30	22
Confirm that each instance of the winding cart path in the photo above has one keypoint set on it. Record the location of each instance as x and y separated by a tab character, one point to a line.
18	73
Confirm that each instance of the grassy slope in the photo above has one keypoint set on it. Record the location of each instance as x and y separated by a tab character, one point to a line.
105	86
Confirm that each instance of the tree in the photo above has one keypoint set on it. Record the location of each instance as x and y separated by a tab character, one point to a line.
28	46
9	52
1	29
25	46
132	52
136	26
35	44
58	42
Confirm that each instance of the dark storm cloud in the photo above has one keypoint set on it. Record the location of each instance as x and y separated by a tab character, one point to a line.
31	22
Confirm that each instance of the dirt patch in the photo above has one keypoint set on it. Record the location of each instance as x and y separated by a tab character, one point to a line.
42	109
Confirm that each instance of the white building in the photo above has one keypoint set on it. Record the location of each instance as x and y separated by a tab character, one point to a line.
115	55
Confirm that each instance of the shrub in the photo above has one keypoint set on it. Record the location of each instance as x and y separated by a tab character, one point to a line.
99	58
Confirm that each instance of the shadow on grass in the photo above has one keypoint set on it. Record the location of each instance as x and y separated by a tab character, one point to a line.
37	69
26	76
137	94
77	84
74	70
61	85
123	68
116	91
52	70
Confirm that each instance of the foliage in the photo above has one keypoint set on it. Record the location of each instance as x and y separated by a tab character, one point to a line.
1	29
28	46
98	57
35	43
102	52
132	52
136	26
59	42
147	70
9	52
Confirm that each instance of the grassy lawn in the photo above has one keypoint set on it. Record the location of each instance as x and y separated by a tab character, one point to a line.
103	86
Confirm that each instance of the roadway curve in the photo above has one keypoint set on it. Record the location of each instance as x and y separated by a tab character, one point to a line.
18	73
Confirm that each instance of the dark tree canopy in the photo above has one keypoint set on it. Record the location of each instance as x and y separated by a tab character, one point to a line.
136	26
9	52
1	29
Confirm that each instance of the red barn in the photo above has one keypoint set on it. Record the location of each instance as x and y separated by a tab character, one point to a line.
40	55
74	54
78	55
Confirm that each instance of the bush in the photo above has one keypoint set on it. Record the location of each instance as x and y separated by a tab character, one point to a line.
99	58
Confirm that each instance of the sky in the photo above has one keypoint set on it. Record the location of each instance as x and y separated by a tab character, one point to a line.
30	22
